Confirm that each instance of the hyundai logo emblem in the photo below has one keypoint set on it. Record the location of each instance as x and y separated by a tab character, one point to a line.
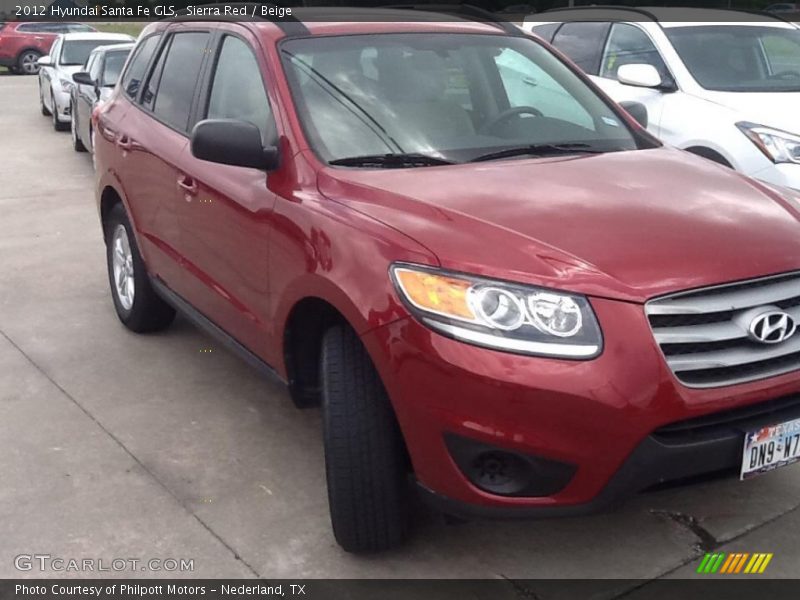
772	327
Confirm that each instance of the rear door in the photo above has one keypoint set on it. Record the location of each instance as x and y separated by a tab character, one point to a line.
152	139
226	211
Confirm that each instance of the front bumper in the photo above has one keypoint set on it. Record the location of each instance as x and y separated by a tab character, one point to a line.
609	417
62	101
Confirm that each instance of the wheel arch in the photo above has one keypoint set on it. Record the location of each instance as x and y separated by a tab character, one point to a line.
303	331
710	154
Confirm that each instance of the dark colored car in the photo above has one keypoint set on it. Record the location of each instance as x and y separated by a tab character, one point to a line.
93	86
495	282
23	43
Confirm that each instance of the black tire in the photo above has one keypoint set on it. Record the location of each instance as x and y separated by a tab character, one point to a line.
57	125
26	62
365	459
42	106
77	144
148	311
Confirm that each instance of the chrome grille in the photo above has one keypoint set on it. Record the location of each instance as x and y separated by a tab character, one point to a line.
703	334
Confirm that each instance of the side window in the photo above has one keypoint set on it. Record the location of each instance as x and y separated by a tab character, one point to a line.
782	54
132	79
628	45
583	43
526	84
95	67
178	79
546	31
237	91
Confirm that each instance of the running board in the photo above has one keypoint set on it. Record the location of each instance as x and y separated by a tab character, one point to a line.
202	322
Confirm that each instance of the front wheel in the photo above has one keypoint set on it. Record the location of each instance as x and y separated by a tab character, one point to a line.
365	459
138	306
42	106
57	125
77	144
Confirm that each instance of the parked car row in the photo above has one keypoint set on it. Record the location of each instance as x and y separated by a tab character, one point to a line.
503	291
725	89
68	56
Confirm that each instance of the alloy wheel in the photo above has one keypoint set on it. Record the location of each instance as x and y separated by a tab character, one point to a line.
28	64
122	263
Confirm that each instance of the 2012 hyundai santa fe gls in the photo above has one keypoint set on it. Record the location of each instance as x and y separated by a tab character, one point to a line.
497	284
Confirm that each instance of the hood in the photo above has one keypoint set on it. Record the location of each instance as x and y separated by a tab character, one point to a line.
774	109
624	225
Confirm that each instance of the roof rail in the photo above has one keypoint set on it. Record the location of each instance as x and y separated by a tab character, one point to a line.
641	11
289	24
465	11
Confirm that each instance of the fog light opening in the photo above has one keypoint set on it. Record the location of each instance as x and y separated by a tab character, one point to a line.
500	472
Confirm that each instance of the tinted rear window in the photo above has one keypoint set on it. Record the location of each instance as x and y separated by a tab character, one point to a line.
583	43
138	65
178	79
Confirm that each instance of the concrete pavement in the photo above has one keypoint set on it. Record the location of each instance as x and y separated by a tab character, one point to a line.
115	445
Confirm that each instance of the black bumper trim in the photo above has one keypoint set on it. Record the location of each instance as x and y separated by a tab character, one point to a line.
653	462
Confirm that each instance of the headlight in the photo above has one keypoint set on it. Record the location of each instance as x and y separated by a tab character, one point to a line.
66	85
778	146
496	314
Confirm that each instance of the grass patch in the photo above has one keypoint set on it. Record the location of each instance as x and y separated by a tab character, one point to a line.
133	29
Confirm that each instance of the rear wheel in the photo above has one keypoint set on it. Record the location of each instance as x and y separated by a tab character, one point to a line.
365	458
138	306
57	125
27	62
77	144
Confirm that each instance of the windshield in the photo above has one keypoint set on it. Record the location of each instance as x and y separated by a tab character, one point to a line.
75	52
453	96
740	58
113	65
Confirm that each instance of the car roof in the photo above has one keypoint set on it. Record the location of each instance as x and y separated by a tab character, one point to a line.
96	35
665	16
354	21
114	48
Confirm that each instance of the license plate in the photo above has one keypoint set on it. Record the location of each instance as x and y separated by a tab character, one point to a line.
770	447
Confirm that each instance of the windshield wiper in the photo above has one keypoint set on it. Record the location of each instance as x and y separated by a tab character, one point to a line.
391	161
540	150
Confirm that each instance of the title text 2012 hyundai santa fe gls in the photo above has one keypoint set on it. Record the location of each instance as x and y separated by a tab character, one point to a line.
502	290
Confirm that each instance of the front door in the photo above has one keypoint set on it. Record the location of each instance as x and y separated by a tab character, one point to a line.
225	210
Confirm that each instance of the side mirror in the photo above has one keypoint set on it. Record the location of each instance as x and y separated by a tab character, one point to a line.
637	110
232	142
45	61
83	78
639	76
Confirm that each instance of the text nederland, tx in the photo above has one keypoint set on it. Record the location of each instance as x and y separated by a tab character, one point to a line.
56	589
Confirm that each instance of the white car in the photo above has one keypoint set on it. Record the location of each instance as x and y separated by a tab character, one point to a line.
67	56
723	87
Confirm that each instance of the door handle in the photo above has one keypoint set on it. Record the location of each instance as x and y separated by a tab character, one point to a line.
188	185
124	142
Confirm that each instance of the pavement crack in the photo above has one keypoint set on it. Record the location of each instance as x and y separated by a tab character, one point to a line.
521	590
144	467
706	541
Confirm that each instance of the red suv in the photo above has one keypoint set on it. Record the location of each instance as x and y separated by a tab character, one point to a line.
24	43
500	288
